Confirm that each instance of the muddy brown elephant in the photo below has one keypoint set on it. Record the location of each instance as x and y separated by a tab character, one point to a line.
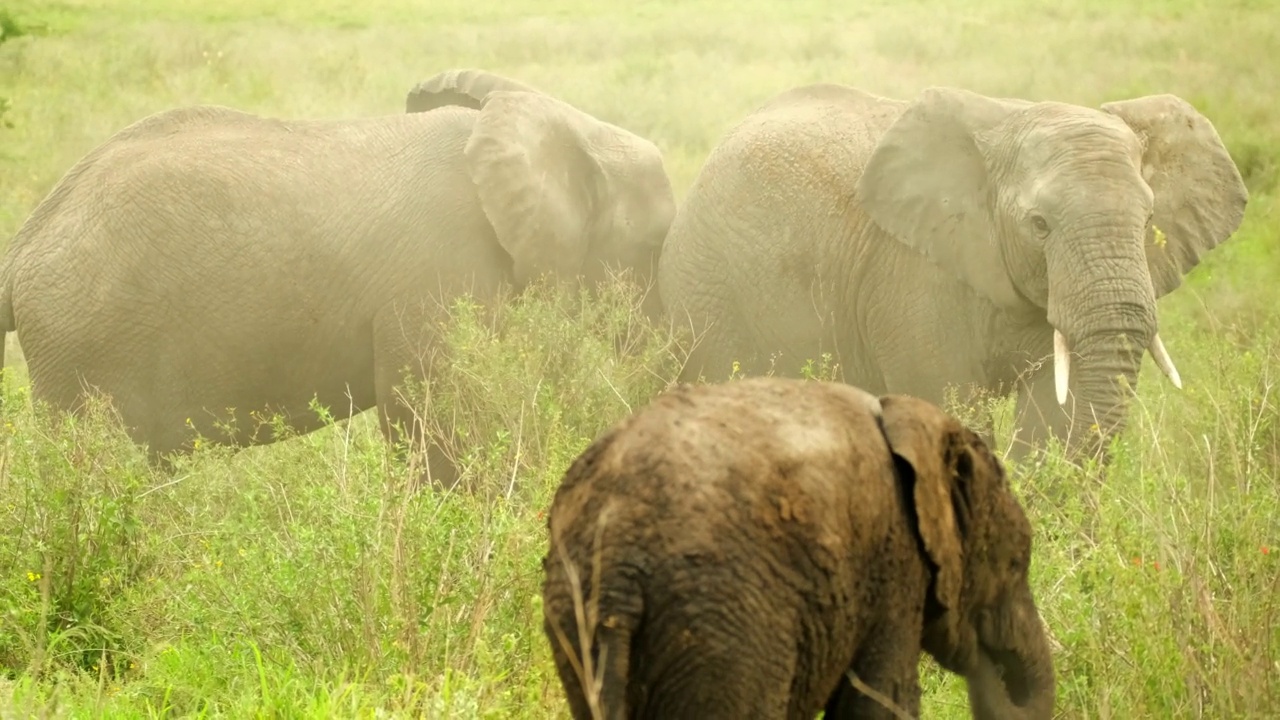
990	244
205	263
742	546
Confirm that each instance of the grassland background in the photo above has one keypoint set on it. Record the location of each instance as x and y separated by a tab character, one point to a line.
304	579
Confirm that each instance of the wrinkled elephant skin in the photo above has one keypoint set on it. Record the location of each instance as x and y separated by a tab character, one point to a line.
742	546
205	263
954	239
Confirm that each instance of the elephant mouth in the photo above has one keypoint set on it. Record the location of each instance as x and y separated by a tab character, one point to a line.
1062	363
1012	671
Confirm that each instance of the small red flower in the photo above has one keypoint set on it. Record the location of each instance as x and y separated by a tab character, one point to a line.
1155	564
1137	561
1266	550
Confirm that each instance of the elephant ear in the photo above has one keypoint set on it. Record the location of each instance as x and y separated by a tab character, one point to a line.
932	444
539	180
466	87
1200	197
928	184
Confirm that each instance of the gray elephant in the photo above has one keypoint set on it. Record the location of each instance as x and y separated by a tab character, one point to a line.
954	239
733	550
205	263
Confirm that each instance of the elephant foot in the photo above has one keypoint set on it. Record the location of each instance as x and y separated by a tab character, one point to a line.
441	472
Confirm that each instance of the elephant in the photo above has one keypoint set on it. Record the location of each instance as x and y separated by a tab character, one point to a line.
952	240
737	548
205	263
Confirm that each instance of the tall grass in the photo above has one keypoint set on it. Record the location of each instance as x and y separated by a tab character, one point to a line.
312	578
316	572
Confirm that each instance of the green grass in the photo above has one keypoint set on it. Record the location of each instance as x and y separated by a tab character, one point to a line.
306	579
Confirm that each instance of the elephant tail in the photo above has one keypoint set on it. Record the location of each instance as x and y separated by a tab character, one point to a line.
6	319
620	612
596	680
4	335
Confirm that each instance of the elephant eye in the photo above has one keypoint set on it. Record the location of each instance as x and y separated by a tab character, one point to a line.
1041	225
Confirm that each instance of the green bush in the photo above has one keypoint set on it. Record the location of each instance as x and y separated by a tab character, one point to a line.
246	581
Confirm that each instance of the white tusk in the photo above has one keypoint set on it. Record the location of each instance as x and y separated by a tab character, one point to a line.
1163	361
1061	366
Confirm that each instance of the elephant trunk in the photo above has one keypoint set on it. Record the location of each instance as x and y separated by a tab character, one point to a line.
1014	678
1102	327
1107	381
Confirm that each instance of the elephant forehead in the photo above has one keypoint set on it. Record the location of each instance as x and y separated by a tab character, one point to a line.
1053	133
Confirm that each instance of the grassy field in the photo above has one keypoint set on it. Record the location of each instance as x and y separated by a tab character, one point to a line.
306	580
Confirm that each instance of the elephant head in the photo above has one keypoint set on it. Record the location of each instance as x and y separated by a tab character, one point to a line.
1081	217
981	619
566	193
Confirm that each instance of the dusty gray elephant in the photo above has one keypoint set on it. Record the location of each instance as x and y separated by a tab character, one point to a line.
952	239
467	88
205	259
737	548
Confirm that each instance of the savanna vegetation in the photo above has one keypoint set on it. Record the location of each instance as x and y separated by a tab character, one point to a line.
309	579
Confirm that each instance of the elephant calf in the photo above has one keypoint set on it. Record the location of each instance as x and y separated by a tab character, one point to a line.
742	546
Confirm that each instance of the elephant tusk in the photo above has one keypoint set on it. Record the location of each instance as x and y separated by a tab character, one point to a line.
1061	366
1165	363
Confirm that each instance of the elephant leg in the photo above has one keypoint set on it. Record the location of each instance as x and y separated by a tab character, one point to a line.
728	684
62	391
575	693
942	381
715	351
406	346
897	694
1038	417
890	668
